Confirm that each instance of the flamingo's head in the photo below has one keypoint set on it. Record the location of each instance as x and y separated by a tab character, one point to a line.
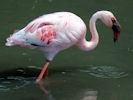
110	20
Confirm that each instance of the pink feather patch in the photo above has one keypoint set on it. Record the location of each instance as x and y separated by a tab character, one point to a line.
45	34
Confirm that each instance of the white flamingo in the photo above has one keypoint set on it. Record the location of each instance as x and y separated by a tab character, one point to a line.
57	31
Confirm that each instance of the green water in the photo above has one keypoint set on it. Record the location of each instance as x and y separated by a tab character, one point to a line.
105	73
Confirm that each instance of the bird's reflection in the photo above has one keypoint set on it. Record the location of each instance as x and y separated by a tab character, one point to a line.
43	85
90	95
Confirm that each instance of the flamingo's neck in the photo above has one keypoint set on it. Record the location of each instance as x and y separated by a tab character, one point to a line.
90	45
95	37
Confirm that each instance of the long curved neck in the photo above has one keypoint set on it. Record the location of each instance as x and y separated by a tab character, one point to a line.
94	34
90	45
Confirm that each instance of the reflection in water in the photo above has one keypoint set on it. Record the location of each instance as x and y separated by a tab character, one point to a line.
85	95
65	85
43	84
90	95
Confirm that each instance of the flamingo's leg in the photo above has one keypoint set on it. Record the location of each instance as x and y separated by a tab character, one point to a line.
44	69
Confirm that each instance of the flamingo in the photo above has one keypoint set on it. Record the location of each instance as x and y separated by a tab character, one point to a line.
57	31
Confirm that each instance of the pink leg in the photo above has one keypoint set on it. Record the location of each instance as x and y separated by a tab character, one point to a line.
42	72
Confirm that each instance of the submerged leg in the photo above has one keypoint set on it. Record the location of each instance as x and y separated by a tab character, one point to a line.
44	69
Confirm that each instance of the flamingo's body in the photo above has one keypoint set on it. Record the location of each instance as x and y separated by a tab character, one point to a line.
57	31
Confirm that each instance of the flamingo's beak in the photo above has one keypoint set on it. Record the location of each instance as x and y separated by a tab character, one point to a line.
116	29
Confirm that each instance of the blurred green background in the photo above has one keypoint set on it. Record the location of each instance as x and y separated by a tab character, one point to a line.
16	14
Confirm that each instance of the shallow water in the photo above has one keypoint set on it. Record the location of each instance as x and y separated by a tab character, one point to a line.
102	74
19	78
105	72
79	84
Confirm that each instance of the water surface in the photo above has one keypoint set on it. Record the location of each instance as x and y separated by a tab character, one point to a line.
102	74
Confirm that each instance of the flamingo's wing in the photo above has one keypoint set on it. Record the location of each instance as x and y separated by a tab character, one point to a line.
40	33
46	34
36	24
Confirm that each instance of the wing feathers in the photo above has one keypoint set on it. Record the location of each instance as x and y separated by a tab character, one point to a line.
34	26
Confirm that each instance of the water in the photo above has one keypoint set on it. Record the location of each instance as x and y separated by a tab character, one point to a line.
102	74
79	84
105	72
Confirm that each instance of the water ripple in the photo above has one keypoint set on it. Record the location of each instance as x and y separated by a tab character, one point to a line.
105	72
14	82
15	79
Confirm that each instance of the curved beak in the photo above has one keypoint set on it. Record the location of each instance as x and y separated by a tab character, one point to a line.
116	29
